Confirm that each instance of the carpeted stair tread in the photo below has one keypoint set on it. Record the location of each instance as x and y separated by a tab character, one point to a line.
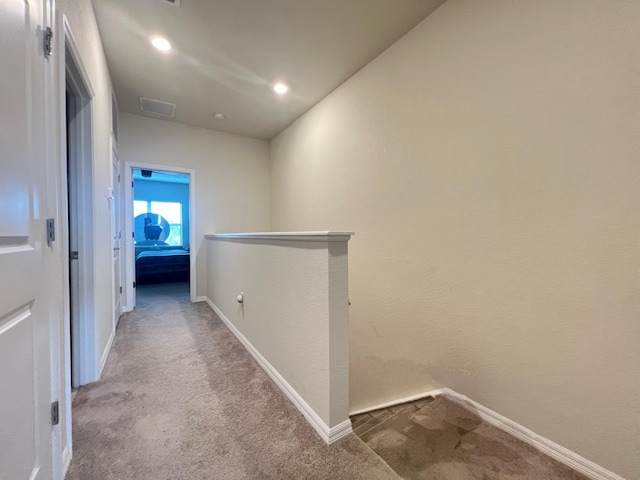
366	421
441	440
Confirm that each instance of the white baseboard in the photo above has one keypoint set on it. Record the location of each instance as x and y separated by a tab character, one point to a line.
400	401
339	431
202	299
546	446
329	435
66	460
105	354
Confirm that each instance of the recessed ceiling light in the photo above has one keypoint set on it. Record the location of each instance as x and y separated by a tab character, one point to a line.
161	43
219	116
280	88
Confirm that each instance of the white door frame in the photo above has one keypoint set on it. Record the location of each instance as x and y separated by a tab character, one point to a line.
130	269
62	441
86	366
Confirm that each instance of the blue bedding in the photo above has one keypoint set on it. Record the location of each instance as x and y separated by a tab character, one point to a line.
162	266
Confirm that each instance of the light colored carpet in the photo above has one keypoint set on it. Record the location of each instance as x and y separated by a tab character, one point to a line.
180	398
439	440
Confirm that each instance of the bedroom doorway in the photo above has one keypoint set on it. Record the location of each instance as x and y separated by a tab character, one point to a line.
159	205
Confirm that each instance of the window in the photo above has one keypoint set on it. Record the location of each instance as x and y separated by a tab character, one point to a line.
172	213
140	207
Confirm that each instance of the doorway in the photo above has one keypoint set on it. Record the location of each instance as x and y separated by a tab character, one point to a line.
79	221
159	206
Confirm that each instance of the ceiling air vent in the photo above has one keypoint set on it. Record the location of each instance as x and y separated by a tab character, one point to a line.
148	105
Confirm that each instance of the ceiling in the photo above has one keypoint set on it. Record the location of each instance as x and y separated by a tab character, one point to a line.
228	53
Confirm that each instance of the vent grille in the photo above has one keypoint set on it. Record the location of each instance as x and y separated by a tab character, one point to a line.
150	105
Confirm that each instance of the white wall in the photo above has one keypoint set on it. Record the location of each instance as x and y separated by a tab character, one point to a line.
231	179
295	315
488	163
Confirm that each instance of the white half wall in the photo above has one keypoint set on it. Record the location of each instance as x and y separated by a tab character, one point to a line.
232	172
489	162
294	315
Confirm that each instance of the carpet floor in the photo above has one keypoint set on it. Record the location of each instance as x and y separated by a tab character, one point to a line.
180	398
435	439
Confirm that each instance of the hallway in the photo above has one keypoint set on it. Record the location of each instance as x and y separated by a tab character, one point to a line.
180	398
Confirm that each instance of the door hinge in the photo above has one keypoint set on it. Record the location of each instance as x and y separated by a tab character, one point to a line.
118	178
55	413
120	289
133	234
73	255
48	42
134	284
51	231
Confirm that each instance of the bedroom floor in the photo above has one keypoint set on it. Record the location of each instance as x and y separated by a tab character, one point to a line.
161	292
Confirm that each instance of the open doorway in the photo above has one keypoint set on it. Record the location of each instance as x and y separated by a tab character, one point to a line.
160	205
78	96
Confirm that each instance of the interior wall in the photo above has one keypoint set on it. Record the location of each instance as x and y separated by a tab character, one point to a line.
231	179
152	191
488	163
82	22
294	300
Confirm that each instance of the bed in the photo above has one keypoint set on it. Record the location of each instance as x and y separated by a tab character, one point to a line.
161	264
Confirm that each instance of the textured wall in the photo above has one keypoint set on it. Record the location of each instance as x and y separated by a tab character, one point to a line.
231	179
295	301
488	163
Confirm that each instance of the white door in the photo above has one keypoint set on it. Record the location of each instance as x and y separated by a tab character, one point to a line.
25	332
117	233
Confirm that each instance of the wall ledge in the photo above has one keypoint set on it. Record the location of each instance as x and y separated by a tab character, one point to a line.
323	236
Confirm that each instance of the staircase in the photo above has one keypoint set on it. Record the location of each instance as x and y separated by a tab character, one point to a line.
434	439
